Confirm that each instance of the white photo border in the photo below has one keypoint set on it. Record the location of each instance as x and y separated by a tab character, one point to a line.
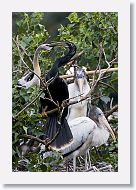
123	174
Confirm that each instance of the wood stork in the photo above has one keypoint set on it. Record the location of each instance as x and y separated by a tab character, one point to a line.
79	86
87	133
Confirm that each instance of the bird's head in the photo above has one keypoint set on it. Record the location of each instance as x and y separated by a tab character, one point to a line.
29	78
80	76
47	47
98	117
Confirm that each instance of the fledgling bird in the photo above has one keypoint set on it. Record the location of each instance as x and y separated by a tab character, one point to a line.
87	133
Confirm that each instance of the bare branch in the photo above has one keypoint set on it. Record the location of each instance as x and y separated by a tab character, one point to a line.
108	113
44	142
91	72
108	85
33	138
77	56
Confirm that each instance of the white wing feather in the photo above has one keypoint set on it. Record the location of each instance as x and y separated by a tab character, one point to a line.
81	128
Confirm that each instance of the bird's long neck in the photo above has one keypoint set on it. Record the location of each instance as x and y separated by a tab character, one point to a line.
63	60
36	65
60	62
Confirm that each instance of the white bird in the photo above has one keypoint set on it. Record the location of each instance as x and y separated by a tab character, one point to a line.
84	130
84	108
87	133
79	86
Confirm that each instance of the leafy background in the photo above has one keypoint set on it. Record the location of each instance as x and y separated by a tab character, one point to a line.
87	31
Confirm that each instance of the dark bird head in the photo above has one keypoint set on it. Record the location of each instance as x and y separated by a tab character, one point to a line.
54	71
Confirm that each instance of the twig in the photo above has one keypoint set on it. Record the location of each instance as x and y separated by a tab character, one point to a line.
25	51
103	83
27	65
45	114
33	138
97	97
74	97
114	108
28	105
94	82
44	142
91	72
105	167
75	58
47	83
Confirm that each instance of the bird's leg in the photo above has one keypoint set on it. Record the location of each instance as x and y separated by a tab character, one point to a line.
95	169
79	160
86	164
67	166
89	157
74	163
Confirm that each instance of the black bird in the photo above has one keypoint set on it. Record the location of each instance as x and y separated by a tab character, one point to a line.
59	92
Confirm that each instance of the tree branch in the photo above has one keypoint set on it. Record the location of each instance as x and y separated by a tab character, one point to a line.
108	85
108	113
28	105
77	56
91	72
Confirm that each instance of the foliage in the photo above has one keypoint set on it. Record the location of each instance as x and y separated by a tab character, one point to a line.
87	31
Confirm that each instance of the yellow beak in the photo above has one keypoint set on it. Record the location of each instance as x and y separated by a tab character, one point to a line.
106	124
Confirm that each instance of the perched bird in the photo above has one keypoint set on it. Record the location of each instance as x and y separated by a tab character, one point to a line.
87	133
29	78
81	87
84	108
59	92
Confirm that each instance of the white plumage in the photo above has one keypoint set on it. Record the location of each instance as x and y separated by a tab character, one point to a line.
79	86
87	133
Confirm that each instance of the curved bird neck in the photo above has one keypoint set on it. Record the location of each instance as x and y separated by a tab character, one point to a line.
36	65
63	60
60	62
52	72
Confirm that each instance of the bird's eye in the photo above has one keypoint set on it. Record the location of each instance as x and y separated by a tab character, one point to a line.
29	77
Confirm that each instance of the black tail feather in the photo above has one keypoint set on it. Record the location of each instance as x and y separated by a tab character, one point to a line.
51	128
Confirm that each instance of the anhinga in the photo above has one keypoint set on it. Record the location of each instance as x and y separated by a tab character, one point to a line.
87	133
29	79
59	92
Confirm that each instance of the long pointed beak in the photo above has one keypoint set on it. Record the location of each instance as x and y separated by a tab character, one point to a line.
80	83
59	44
106	124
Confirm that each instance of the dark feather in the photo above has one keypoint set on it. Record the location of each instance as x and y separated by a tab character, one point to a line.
59	92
